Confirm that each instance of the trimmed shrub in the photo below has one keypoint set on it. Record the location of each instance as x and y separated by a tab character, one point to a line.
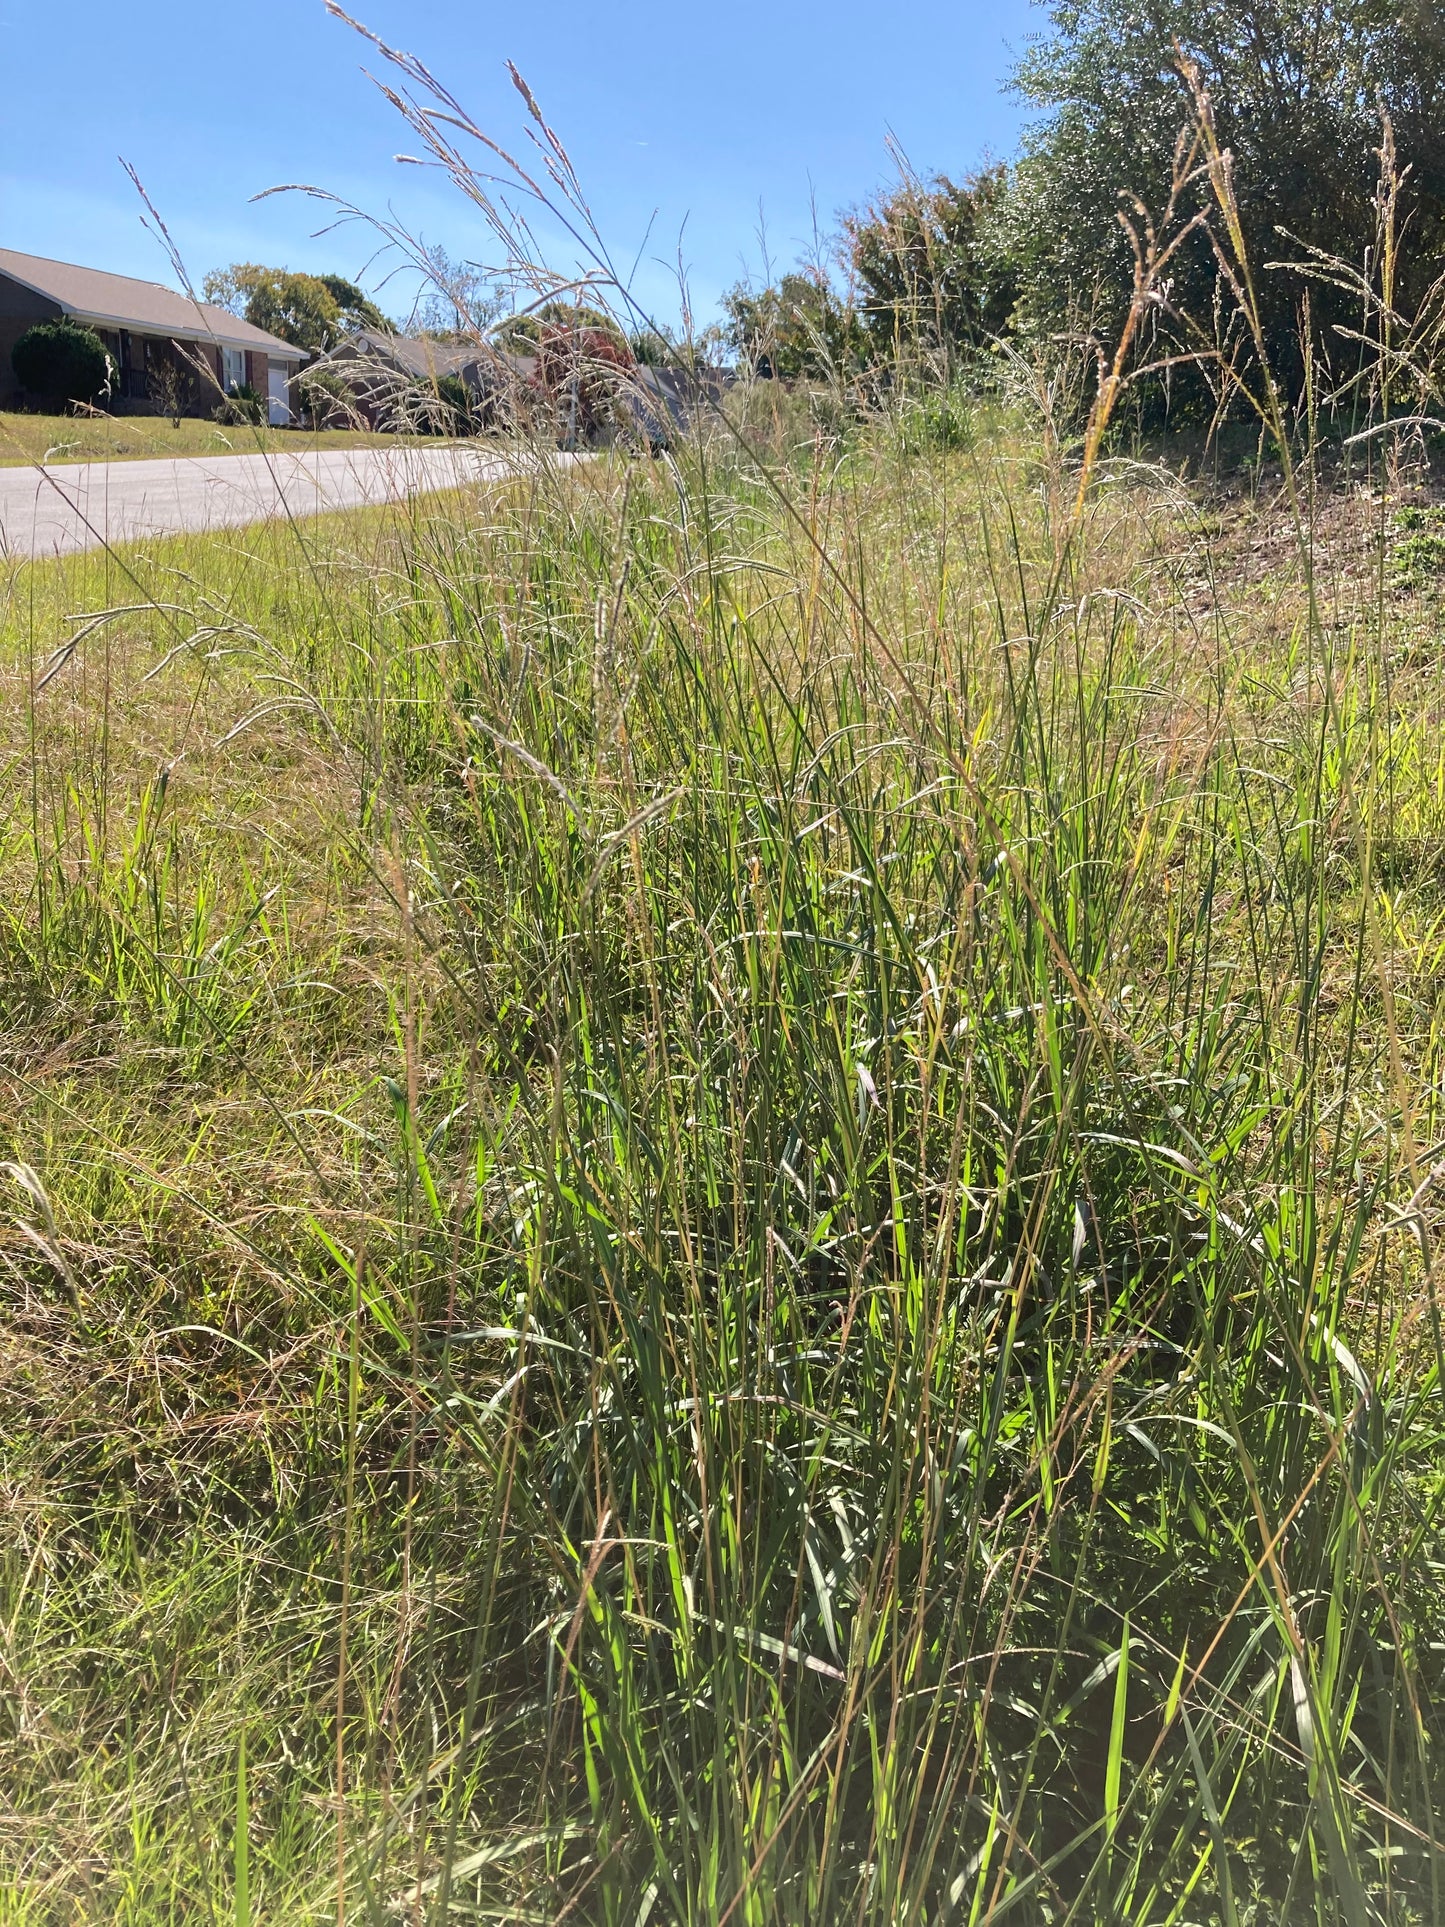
453	392
61	361
242	406
328	399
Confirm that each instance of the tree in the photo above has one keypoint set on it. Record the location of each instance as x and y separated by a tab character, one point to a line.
583	373
650	348
60	361
1296	87
932	278
298	307
311	311
524	333
457	301
798	329
357	310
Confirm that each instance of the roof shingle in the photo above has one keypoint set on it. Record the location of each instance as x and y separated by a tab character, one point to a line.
147	306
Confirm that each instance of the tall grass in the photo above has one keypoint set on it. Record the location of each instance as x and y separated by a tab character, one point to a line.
723	1192
722	1230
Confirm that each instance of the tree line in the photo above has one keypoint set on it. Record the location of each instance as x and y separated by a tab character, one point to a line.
1326	120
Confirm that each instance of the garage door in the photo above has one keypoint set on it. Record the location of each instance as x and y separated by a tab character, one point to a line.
279	397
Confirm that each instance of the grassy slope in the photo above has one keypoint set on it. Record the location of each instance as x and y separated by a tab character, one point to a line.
666	1164
67	438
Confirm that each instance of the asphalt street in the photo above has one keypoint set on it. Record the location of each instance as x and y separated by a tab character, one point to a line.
85	505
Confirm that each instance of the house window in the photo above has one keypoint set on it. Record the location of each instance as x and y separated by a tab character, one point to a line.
233	369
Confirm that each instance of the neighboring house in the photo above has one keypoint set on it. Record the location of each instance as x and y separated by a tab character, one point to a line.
163	344
639	406
385	376
664	399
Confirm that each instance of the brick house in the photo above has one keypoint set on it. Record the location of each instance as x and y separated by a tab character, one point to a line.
161	342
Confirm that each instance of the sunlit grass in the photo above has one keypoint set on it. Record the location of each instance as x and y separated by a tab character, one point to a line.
28	438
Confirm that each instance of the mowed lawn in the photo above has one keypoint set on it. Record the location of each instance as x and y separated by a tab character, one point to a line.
719	1202
26	438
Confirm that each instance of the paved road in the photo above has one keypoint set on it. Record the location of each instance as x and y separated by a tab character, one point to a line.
81	505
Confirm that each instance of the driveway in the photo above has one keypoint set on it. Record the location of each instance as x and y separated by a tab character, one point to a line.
84	505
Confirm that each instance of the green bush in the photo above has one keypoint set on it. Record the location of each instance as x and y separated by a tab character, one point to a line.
938	420
328	399
934	285
1418	554
802	329
456	397
60	361
1110	100
243	405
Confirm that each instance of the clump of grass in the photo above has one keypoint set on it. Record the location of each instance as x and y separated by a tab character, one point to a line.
938	420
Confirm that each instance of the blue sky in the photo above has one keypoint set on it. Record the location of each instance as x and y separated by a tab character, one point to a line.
689	122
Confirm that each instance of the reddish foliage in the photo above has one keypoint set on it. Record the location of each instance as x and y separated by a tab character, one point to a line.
579	370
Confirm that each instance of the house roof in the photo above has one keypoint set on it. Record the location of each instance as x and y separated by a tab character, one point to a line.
417	355
421	356
652	395
425	357
117	300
